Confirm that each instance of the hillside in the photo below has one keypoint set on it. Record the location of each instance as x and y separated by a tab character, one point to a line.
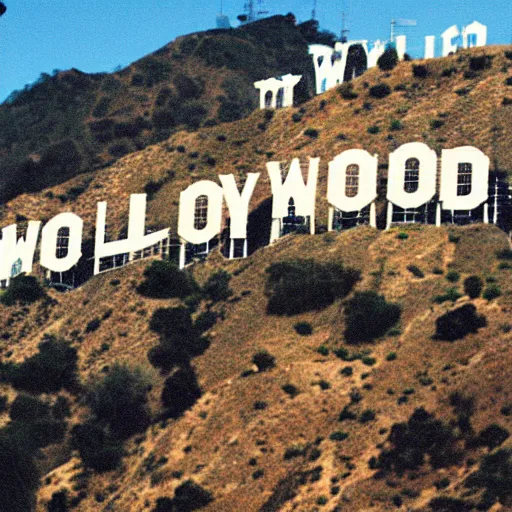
71	122
409	420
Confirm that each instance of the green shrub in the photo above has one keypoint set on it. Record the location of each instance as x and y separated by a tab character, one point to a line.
508	81
415	271
180	340
264	361
420	71
436	124
505	254
395	125
493	291
402	236
304	329
98	449
59	501
23	289
452	294
217	287
311	132
480	62
494	476
369	316
347	371
373	130
380	91
366	416
473	286
119	400
458	323
297	286
492	436
163	280
205	321
20	476
391	356
346	91
53	368
181	391
388	60
452	276
338	436
409	443
291	390
188	497
93	325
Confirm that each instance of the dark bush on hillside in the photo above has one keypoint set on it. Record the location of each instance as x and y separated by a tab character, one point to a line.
23	289
33	424
369	316
180	341
409	444
264	361
217	287
446	504
494	476
388	60
380	91
480	62
420	71
492	436
20	478
163	280
53	368
59	501
206	320
473	286
297	286
120	401
163	119
188	88
458	323
98	449
346	91
303	328
181	391
188	497
191	114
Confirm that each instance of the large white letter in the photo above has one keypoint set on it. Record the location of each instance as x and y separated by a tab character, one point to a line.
136	240
366	182
464	178
12	249
187	221
474	35
448	36
304	196
427	173
238	204
49	258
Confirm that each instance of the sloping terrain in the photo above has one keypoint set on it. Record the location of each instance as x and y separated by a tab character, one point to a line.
313	430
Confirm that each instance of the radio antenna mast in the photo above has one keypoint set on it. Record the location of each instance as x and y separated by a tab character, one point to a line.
313	13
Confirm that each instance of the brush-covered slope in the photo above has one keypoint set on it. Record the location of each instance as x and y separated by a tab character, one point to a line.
71	122
276	439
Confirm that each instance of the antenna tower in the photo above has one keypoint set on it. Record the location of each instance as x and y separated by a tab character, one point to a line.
344	30
313	13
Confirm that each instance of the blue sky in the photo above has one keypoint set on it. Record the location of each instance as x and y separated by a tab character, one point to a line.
98	35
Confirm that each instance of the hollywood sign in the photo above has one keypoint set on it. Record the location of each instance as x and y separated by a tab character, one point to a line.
352	187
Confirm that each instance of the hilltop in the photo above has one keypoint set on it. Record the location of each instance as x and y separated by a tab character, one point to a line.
71	122
411	420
